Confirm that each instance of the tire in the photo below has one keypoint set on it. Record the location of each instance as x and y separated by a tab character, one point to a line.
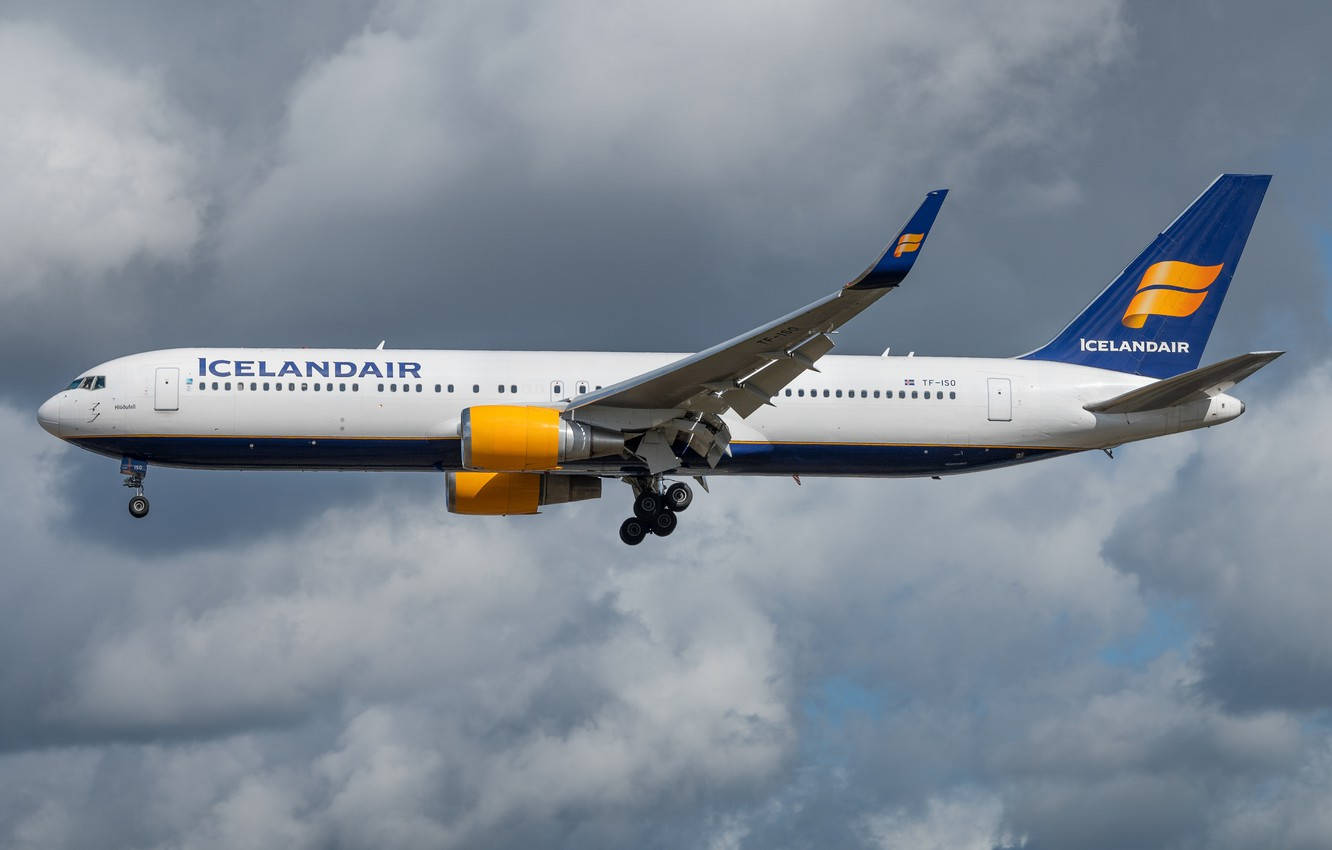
664	523
679	496
648	505
633	530
138	507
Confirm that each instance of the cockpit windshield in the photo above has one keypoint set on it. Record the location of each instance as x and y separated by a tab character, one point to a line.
88	382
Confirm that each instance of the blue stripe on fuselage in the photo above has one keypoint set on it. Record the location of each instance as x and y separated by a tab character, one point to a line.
444	454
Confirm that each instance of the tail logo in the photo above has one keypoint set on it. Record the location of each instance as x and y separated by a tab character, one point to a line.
1170	288
908	242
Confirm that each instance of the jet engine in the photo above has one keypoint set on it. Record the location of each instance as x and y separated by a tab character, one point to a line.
502	493
508	438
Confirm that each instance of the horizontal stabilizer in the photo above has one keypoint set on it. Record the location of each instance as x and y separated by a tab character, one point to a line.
1190	386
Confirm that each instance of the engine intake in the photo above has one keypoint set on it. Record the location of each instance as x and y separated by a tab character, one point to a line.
508	438
505	493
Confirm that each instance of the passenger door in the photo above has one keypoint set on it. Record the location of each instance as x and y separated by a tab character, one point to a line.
166	388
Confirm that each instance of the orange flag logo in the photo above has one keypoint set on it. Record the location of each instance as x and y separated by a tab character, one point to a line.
908	242
1170	288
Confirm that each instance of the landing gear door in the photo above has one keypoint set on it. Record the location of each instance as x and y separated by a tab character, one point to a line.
166	388
1001	400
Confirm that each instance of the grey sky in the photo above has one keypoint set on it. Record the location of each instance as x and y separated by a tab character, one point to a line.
1082	653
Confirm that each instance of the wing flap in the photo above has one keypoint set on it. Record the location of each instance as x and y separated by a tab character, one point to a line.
1189	386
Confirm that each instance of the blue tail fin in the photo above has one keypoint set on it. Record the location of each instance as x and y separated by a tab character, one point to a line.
1154	319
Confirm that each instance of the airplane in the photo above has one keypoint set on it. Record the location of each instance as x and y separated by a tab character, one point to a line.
513	431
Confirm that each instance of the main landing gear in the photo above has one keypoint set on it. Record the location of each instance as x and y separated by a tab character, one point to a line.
134	472
654	509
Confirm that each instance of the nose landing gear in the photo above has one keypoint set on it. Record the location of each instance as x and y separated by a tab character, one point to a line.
134	472
654	510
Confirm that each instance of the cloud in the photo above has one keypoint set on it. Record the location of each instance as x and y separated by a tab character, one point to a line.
98	167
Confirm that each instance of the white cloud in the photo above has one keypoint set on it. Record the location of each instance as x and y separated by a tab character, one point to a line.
95	163
712	97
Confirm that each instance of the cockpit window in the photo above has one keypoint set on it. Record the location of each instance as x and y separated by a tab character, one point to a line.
88	382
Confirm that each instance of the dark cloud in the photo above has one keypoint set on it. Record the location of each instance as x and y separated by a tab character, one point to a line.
330	660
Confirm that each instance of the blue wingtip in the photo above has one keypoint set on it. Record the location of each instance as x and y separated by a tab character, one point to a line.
901	253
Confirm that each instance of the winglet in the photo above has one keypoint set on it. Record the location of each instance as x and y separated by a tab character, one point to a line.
901	253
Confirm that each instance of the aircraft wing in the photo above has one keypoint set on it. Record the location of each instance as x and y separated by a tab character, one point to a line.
744	373
685	399
1189	386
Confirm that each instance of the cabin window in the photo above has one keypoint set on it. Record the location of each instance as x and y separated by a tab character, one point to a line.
839	393
291	387
927	393
450	387
914	394
876	393
800	393
203	385
901	393
278	387
356	388
381	388
788	393
227	385
438	388
558	390
952	395
513	388
305	387
342	388
393	388
582	387
476	388
939	395
501	389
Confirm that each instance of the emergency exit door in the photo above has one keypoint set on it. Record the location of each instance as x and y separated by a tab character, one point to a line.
1001	400
166	392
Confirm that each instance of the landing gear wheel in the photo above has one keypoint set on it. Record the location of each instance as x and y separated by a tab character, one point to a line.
679	496
647	505
633	530
664	523
138	507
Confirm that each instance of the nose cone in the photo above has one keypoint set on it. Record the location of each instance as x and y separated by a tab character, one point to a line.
48	415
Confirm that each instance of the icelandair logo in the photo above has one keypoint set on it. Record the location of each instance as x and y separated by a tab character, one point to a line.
1171	288
1148	345
309	368
908	242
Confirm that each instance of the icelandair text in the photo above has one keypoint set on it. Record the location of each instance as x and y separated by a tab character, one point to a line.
1149	345
309	369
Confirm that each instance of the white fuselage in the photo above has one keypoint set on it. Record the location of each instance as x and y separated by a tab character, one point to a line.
385	409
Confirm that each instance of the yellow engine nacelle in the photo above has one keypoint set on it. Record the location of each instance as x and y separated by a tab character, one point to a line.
508	438
505	493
